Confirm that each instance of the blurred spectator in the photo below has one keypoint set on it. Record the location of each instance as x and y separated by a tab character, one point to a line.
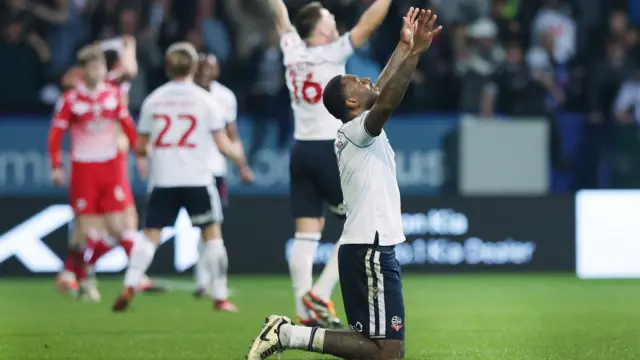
608	73
627	104
553	19
477	64
23	53
215	34
252	21
462	11
268	96
519	93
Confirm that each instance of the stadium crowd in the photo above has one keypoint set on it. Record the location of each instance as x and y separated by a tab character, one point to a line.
508	57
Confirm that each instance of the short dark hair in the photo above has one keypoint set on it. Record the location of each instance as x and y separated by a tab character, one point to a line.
333	98
307	18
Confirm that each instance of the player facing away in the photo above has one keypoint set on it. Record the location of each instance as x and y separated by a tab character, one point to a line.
369	272
93	111
313	54
207	78
182	123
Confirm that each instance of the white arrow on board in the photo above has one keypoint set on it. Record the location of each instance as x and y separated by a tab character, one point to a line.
24	241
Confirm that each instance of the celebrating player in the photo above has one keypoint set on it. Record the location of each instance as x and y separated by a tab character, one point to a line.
207	78
313	54
93	111
183	124
369	271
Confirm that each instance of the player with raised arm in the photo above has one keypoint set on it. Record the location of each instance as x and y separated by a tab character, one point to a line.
369	272
207	78
313	54
93	111
182	123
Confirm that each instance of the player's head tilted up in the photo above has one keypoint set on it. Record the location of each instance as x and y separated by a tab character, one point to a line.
315	24
208	70
347	96
181	61
94	66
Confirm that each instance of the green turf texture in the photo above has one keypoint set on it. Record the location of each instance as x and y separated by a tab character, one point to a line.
472	317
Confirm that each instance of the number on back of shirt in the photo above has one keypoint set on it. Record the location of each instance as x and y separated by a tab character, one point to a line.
168	123
308	91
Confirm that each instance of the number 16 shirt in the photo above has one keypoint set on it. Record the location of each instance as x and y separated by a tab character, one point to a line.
308	70
179	118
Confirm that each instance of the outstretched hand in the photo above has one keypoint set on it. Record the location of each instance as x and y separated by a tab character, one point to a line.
426	31
409	27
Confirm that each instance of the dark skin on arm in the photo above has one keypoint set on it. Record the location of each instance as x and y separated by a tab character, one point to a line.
392	92
416	36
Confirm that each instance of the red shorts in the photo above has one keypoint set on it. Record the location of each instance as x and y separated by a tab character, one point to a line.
123	159
98	188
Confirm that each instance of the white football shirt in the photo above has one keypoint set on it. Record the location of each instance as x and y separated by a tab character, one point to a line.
228	105
179	117
369	185
308	70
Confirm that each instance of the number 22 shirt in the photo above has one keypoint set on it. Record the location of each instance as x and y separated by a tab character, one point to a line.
308	70
179	118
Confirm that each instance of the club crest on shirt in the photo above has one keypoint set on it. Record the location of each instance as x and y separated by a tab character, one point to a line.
357	327
396	323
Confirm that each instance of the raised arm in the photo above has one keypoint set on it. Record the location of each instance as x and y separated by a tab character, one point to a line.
128	60
392	93
403	48
281	16
369	22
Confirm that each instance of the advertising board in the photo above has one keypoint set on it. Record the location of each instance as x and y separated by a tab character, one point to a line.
444	234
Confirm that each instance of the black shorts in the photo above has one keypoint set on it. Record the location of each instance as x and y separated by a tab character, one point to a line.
223	190
372	290
315	179
201	202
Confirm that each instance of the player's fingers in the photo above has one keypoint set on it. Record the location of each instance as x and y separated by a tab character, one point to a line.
414	15
437	31
432	22
424	17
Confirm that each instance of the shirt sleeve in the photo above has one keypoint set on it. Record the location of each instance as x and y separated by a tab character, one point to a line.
62	115
290	40
232	110
338	51
215	120
145	122
356	132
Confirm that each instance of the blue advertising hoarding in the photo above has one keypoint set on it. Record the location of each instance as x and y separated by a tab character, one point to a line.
417	141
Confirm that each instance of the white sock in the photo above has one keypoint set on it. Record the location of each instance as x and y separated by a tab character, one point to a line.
201	271
300	337
329	277
217	263
301	267
139	261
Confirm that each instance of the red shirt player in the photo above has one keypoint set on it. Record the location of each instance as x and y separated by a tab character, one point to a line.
93	111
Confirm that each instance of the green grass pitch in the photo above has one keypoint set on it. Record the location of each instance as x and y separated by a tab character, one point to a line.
471	317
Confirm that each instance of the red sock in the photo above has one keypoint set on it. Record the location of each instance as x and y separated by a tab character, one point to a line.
99	248
79	266
69	263
127	245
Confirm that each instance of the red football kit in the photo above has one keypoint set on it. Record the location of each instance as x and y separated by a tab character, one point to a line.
98	181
